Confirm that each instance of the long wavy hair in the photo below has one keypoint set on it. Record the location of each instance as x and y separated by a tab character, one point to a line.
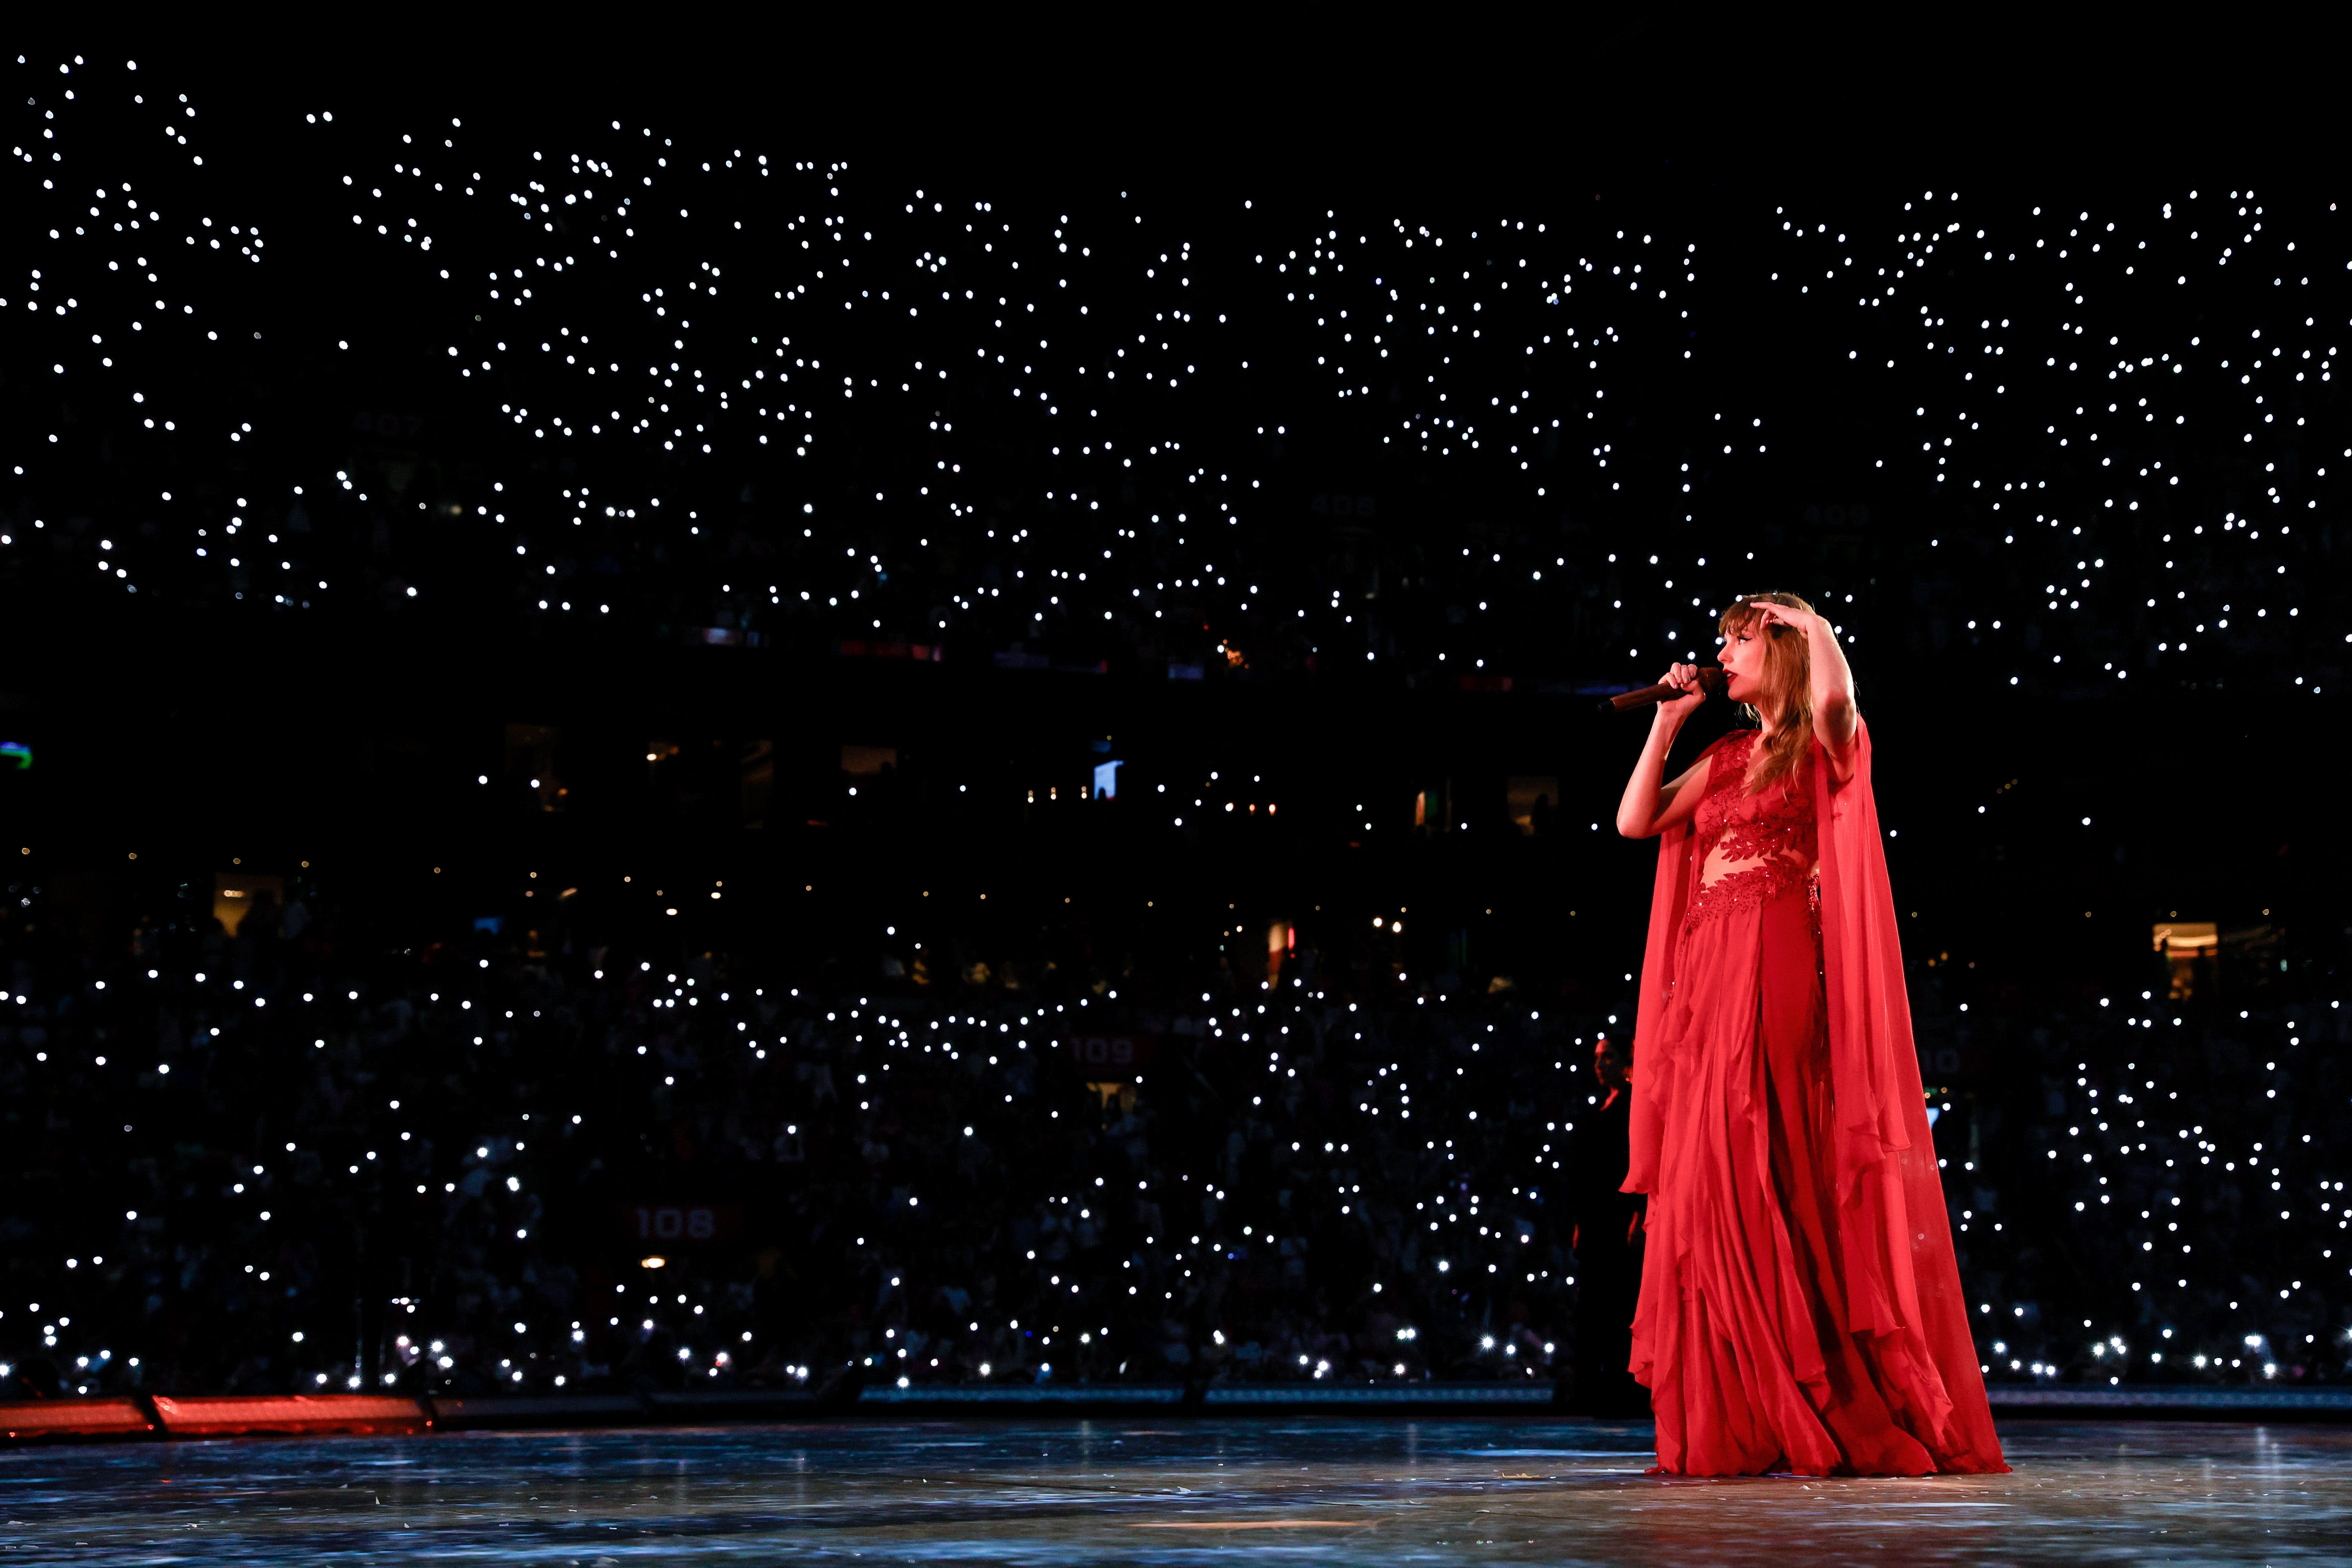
1787	681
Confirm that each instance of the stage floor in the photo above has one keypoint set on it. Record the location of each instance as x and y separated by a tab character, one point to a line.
1173	1490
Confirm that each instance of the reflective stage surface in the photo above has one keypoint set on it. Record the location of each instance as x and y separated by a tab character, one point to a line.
1323	1490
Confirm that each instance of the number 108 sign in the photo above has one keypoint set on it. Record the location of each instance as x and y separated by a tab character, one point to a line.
678	1224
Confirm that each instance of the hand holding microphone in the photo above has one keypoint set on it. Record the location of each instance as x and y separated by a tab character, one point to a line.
1685	686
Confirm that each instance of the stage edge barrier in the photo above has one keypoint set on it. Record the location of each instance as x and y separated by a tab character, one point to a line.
2213	1401
53	1420
496	1412
1038	1397
1520	1395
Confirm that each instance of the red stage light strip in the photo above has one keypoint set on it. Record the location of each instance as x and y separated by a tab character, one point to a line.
303	1414
72	1418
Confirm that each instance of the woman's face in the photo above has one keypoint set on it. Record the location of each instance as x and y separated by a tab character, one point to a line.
1743	662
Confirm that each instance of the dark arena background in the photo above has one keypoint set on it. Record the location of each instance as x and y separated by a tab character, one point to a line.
933	837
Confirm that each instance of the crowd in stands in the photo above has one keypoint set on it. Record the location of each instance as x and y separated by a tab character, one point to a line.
658	389
272	1161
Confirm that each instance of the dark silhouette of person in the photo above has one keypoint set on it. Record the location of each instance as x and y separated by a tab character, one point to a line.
1608	1241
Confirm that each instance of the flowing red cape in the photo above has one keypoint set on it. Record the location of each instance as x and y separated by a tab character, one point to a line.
1900	1276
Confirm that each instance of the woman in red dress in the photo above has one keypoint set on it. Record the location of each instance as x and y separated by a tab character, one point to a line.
1801	1308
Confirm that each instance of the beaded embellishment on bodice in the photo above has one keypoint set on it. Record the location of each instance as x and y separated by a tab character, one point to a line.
1748	847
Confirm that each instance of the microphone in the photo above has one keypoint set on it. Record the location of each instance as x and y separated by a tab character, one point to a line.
1710	681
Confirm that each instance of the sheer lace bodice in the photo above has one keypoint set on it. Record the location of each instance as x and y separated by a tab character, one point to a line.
1748	846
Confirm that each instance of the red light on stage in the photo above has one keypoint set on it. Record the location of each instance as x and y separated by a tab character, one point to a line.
303	1414
55	1418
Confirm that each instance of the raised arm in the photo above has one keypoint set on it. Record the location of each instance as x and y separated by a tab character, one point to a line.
1834	718
1651	806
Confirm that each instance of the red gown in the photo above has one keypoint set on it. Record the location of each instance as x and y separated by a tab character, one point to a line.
1801	1307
